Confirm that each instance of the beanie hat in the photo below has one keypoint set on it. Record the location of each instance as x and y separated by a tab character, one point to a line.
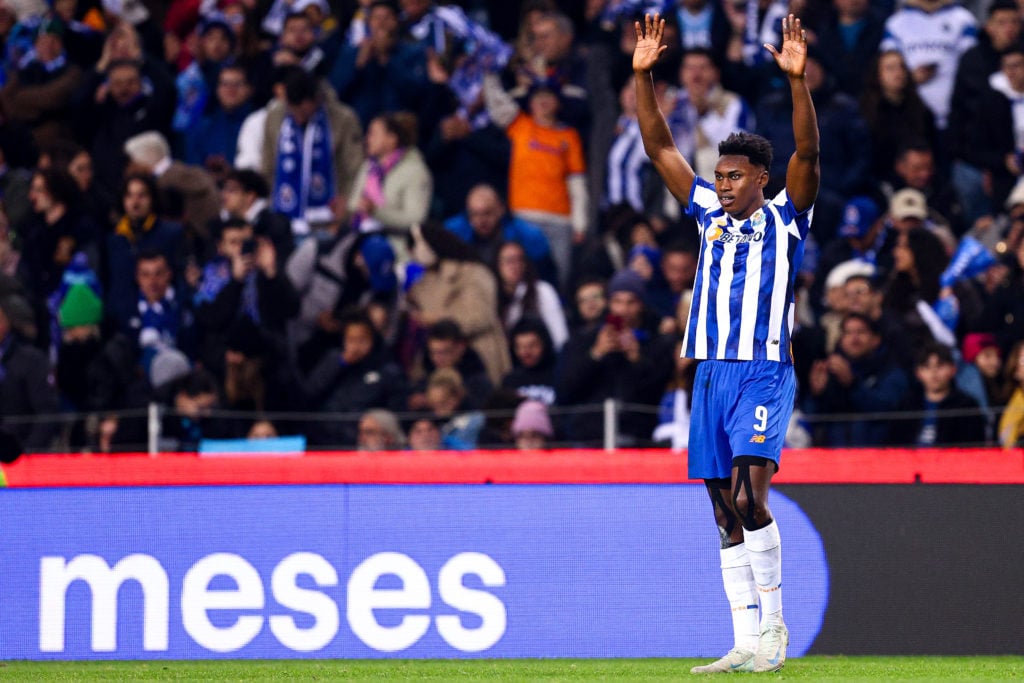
532	416
80	306
858	217
976	342
627	281
380	261
167	366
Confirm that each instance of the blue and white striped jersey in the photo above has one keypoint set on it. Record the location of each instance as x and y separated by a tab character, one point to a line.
742	306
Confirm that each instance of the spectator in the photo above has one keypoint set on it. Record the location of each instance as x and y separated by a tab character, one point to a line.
242	286
448	347
26	388
192	398
55	233
78	163
486	224
191	188
913	292
531	426
140	229
38	93
673	285
1011	424
547	183
932	35
936	396
355	378
262	429
1000	31
628	176
622	359
393	186
521	294
894	111
312	148
860	378
14	186
850	35
245	195
215	48
382	73
591	302
249	147
1004	307
705	112
79	314
213	141
455	285
424	435
533	362
296	46
445	397
379	431
158	316
996	128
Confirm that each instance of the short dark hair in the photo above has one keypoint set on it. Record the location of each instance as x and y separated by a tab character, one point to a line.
940	351
750	145
60	185
446	329
151	188
251	181
151	254
868	322
300	86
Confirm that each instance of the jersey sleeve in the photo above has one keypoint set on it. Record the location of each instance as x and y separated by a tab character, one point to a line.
702	199
797	222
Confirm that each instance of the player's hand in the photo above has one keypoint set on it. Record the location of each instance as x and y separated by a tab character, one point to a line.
792	59
648	42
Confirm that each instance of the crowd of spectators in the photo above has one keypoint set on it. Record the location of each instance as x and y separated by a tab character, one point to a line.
419	225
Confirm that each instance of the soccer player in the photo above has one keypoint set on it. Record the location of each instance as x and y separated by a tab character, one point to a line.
739	327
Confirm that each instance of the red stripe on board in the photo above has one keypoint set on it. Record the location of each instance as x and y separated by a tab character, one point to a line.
811	466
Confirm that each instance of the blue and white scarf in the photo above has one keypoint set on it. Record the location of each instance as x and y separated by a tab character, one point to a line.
484	52
304	177
158	321
216	275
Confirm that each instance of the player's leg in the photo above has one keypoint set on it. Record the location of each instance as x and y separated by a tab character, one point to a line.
750	485
757	429
710	459
739	584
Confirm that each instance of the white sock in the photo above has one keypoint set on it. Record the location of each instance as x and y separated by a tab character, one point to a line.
742	593
764	547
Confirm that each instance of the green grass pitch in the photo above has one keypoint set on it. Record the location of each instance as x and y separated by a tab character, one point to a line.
818	668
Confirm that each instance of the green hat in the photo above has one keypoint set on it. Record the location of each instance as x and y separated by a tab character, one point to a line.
51	25
80	307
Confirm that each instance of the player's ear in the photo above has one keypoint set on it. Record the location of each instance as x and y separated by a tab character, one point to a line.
762	179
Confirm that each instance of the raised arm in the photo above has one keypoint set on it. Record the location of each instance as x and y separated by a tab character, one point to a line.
803	174
670	164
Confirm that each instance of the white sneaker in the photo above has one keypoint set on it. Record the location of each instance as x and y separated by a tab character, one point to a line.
771	648
734	661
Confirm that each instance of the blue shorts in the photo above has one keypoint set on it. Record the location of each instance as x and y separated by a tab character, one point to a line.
739	407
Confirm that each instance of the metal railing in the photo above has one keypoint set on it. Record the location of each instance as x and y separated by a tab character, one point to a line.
610	436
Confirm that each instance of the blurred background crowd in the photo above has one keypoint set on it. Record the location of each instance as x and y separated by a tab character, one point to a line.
411	224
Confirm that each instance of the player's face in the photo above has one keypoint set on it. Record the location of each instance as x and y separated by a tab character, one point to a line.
739	185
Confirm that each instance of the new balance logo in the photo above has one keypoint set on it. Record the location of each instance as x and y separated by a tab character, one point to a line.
757	438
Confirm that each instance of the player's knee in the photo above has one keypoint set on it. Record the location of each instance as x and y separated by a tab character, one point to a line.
751	510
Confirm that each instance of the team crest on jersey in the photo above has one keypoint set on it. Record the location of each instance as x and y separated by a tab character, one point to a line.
757	219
